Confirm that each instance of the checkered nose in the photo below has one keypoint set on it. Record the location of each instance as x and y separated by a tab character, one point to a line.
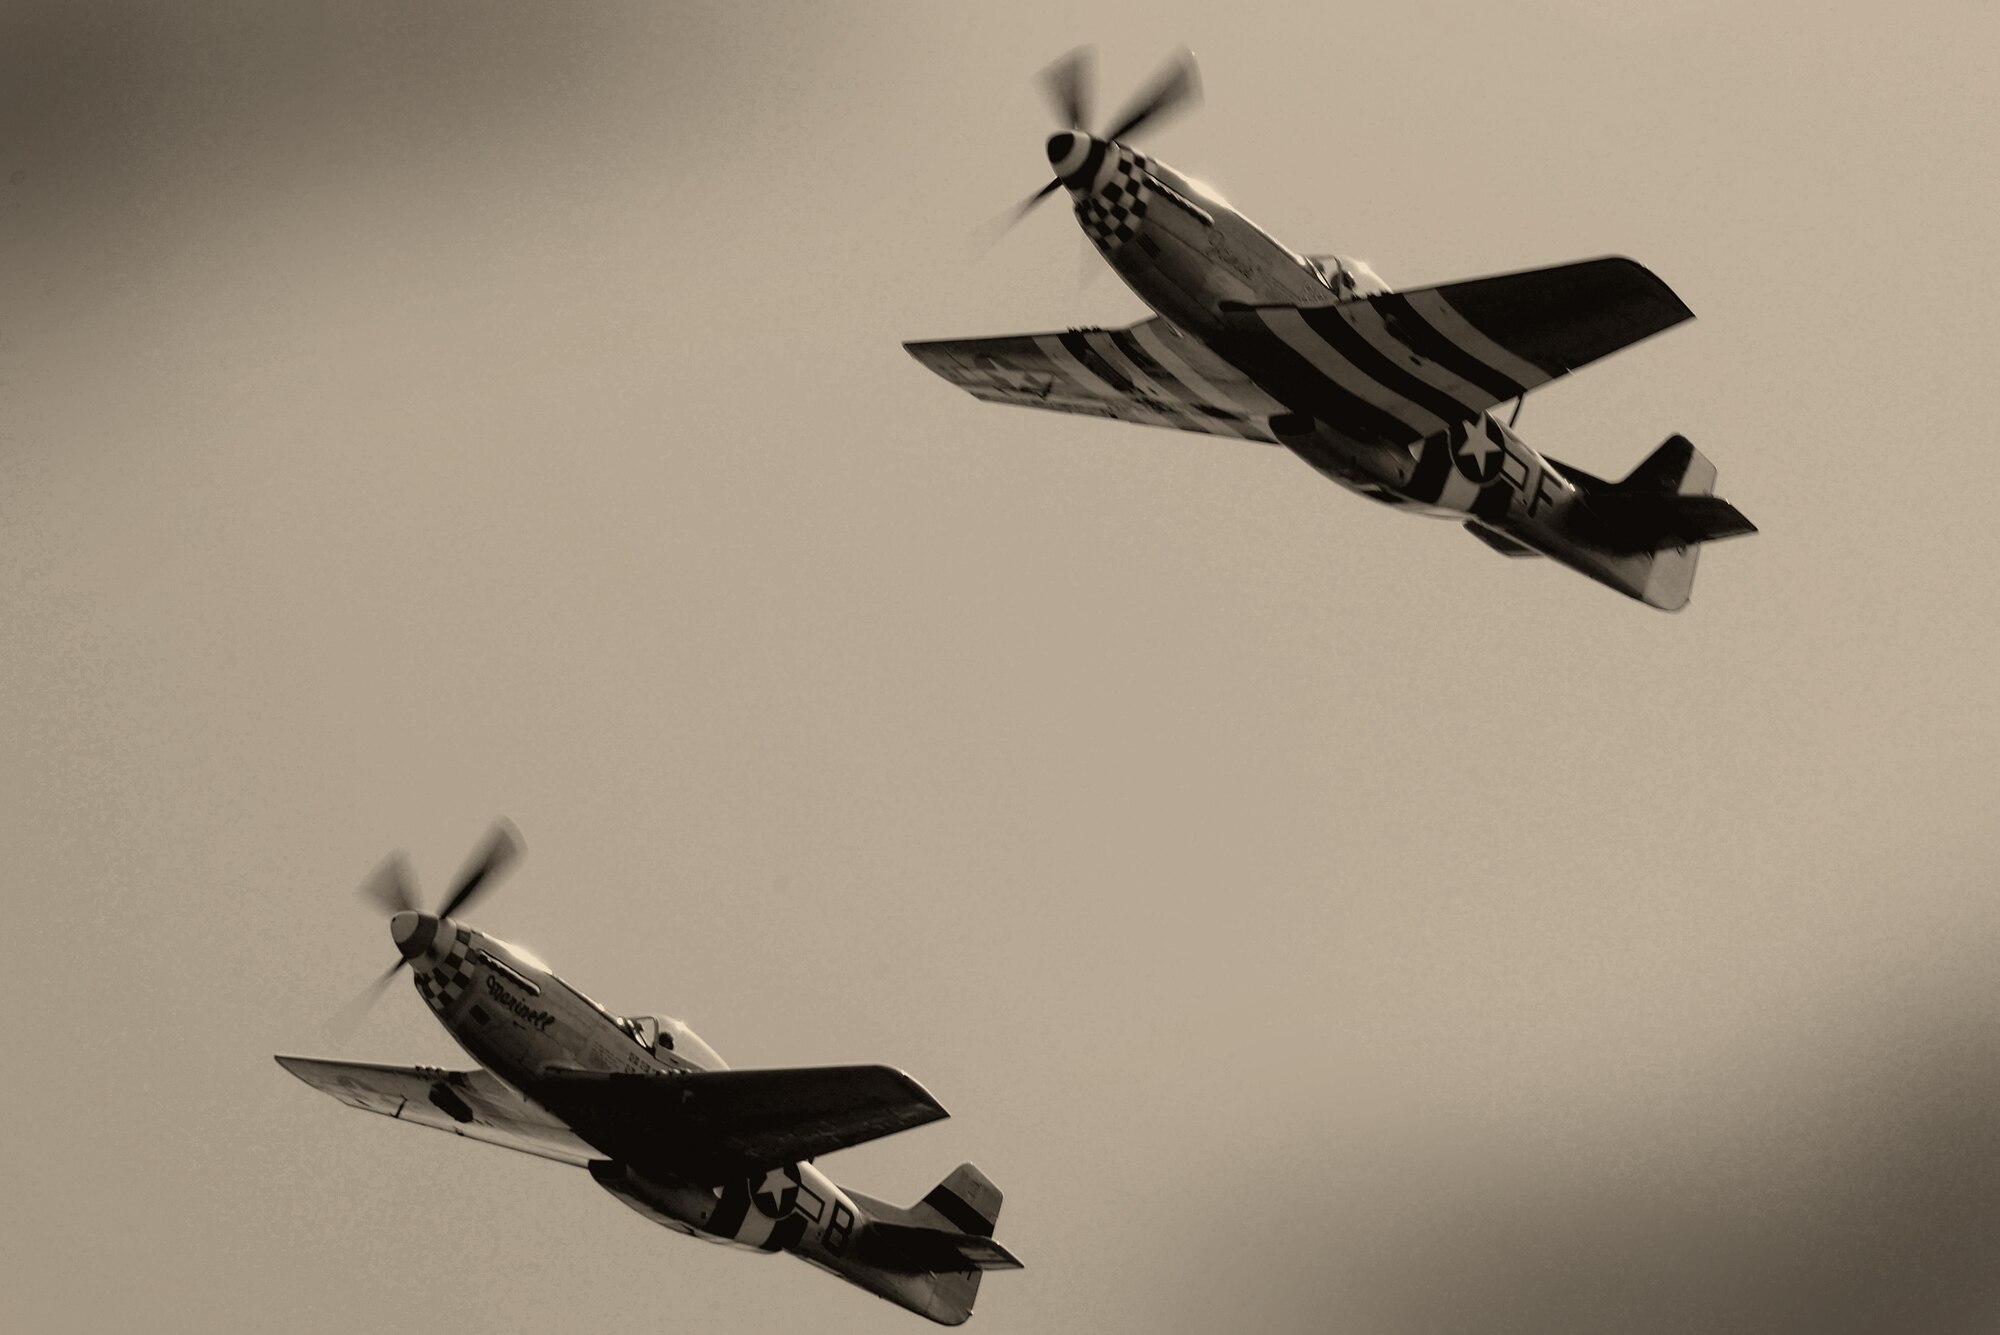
412	932
1067	153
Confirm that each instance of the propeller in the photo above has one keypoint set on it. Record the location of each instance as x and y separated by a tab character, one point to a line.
1068	85
988	235
502	847
1176	86
392	889
1067	82
390	886
348	1018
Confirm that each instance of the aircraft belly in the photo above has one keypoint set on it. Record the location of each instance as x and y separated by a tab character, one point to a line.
1523	498
680	1206
793	1208
1361	466
1478	470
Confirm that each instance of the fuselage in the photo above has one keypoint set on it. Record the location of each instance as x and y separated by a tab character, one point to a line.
1192	257
518	1019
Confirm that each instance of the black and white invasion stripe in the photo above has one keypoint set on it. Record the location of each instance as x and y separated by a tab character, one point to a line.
1407	366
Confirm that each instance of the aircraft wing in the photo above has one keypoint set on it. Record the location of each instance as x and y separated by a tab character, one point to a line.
1149	373
473	1104
1397	367
720	1126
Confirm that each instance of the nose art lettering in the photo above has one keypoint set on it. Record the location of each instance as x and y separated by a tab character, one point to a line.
521	1010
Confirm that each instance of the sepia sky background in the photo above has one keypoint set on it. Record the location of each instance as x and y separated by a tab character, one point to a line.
1314	922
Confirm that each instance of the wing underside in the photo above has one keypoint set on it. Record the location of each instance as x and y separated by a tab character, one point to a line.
1391	368
718	1126
1149	373
1398	367
472	1104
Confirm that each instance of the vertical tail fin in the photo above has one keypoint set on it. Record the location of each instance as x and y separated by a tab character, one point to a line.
1676	468
929	1257
966	1201
1645	532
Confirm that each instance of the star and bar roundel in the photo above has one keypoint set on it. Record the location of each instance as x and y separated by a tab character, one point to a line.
1476	455
777	1194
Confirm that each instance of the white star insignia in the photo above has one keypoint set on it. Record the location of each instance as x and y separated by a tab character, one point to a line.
1478	449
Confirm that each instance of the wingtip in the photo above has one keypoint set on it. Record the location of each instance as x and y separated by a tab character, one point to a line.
1641	277
915	1089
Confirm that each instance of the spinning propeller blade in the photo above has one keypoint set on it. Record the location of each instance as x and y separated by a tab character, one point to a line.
1174	88
391	888
1067	82
502	847
345	1021
990	233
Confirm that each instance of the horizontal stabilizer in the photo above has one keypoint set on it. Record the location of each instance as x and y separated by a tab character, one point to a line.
1641	523
1666	502
912	1248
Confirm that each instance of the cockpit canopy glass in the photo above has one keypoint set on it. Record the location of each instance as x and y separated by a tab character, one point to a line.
662	1034
1346	277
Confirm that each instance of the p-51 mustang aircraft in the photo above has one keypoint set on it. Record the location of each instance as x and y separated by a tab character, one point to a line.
658	1119
1386	392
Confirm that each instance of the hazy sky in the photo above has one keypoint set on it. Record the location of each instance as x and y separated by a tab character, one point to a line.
1313	921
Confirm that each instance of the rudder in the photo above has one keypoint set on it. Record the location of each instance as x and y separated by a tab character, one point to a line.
967	1201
